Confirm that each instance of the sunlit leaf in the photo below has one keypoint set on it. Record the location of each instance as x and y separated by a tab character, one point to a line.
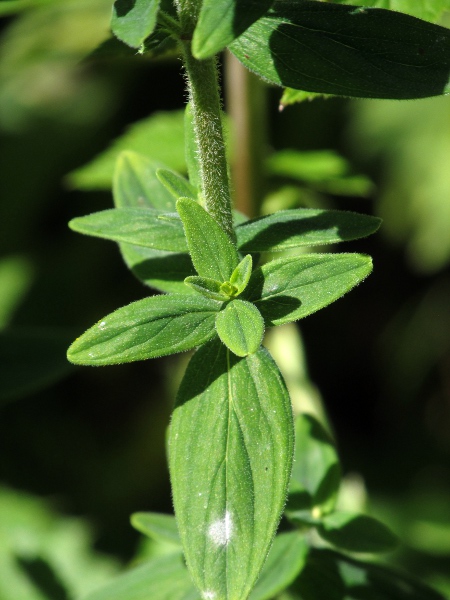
240	326
134	20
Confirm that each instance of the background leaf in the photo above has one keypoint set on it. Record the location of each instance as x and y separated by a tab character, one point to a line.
134	20
158	526
228	495
342	50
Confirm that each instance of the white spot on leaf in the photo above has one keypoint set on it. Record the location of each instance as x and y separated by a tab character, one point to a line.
208	595
221	530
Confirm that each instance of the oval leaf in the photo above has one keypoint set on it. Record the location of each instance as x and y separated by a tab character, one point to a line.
303	227
230	456
134	20
222	21
212	252
240	326
288	289
343	50
140	227
151	327
356	533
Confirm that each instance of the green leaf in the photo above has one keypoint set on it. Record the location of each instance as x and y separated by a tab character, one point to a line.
177	185
289	289
154	326
164	577
210	288
431	10
212	252
291	96
136	185
240	326
141	227
159	137
303	227
241	275
222	21
356	533
342	50
134	20
316	472
286	559
230	455
191	149
157	526
329	575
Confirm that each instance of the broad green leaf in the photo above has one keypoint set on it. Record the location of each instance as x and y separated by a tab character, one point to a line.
212	252
356	533
157	526
176	184
147	328
303	227
348	51
431	10
136	185
240	326
286	559
159	137
210	288
140	227
329	575
241	275
230	456
289	289
162	578
222	21
134	20
191	149
316	472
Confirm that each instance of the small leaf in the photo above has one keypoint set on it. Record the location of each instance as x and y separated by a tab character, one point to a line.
151	327
303	227
343	50
134	20
135	184
177	185
289	289
286	559
316	472
162	577
210	288
230	453
222	21
241	275
212	252
191	149
159	527
240	326
356	533
140	227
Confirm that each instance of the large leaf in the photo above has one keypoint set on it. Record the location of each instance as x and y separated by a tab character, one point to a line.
339	49
332	576
230	455
212	252
316	471
151	327
431	10
288	289
163	578
303	227
222	21
134	20
149	228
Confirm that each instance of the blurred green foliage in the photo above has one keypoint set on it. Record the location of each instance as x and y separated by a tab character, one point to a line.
93	440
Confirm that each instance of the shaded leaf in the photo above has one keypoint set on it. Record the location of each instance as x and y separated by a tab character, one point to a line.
343	50
229	494
148	328
222	21
210	288
176	184
134	20
141	227
157	526
240	326
303	227
212	252
431	10
356	532
289	289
